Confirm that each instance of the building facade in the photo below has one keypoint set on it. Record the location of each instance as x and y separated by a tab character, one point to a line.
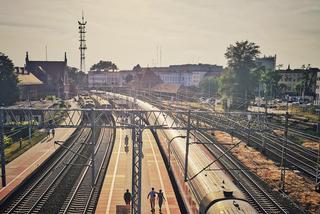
53	75
269	62
105	79
293	79
185	75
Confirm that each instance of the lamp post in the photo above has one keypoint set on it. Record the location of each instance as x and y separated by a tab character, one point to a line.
169	148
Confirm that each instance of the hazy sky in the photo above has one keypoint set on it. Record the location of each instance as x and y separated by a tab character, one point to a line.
189	31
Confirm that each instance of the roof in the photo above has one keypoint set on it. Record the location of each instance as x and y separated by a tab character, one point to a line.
26	78
310	70
188	68
41	69
166	88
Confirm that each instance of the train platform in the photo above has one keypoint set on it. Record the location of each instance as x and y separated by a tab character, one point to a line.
23	166
118	177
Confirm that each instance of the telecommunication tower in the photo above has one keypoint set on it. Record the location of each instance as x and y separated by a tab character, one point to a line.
83	46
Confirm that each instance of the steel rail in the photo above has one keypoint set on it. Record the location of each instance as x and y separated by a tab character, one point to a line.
43	178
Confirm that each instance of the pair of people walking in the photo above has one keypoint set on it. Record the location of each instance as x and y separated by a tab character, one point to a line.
52	131
152	196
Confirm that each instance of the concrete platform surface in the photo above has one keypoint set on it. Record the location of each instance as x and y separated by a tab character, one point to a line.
118	177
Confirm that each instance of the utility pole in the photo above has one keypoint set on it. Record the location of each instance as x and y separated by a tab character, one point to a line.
284	153
249	129
136	164
93	142
187	149
83	46
3	158
318	158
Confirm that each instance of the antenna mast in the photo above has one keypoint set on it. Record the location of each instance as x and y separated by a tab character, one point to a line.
83	46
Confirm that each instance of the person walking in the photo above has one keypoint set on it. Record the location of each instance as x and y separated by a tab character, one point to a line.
126	140
152	196
53	132
160	199
127	197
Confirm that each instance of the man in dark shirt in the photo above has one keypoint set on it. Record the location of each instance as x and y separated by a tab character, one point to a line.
127	197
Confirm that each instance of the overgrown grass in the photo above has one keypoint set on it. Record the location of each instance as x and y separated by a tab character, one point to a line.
13	151
307	113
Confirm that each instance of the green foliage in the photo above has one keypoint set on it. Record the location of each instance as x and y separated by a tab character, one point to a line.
9	92
129	78
7	140
209	86
241	77
226	83
76	77
269	80
50	97
104	65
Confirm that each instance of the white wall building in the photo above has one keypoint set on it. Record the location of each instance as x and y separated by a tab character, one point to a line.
186	75
101	79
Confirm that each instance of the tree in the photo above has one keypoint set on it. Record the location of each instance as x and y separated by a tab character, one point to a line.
104	65
209	86
129	77
269	80
242	75
76	77
9	92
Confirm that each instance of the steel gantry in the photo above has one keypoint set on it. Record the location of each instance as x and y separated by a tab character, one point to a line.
65	118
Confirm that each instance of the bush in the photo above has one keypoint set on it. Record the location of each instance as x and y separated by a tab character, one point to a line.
7	141
50	97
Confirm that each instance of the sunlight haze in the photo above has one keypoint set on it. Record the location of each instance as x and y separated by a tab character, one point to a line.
186	31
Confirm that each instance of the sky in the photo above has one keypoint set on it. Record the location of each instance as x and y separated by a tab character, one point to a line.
130	32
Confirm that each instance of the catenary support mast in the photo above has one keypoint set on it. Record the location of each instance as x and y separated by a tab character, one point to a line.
83	46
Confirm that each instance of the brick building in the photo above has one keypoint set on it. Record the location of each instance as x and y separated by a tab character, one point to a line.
53	75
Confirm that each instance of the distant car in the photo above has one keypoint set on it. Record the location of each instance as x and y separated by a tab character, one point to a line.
201	99
210	100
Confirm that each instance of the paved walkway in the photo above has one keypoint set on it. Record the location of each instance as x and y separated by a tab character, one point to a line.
21	167
118	177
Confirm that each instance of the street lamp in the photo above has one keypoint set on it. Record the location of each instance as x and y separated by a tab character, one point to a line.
169	148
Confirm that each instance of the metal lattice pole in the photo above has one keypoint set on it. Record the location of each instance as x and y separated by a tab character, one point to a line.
136	165
93	129
83	46
317	188
283	155
187	149
3	159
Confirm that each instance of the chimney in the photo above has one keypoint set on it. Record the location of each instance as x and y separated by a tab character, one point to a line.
65	57
27	57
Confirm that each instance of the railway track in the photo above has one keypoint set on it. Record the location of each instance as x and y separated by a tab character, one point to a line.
261	136
256	190
64	176
38	185
252	186
83	197
297	158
